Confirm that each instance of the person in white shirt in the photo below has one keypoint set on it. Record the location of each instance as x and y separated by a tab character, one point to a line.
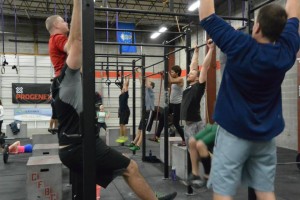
1	117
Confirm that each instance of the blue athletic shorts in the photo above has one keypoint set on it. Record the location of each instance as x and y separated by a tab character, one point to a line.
236	161
28	148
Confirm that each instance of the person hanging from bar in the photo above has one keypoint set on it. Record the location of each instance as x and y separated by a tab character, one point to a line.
176	87
57	47
249	104
124	111
67	91
1	118
191	98
150	111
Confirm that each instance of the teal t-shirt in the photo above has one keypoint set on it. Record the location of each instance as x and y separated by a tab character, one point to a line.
101	116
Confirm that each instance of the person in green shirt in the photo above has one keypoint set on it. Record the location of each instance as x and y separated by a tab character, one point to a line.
102	115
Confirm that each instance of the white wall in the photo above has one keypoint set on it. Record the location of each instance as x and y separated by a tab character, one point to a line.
32	69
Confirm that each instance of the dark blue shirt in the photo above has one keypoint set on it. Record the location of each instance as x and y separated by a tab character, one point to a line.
123	102
249	102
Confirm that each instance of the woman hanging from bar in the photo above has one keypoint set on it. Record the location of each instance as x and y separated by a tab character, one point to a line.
124	111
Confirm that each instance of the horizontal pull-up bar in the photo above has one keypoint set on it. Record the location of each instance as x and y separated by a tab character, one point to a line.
118	55
154	74
113	65
163	13
139	44
199	46
137	31
111	70
261	5
124	62
176	38
127	56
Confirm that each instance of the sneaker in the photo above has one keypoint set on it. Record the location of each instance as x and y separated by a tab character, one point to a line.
170	196
134	148
196	181
5	153
125	139
131	144
120	139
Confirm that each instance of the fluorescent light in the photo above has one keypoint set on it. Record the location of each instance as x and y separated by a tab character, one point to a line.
162	29
155	35
194	6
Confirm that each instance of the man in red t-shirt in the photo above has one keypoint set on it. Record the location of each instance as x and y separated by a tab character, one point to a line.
58	30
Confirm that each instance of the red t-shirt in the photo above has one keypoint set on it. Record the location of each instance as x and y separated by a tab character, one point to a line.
56	51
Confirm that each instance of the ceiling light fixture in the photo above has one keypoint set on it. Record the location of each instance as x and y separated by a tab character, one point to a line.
162	29
194	6
154	35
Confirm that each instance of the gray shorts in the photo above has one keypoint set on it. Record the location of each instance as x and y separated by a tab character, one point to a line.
191	129
236	161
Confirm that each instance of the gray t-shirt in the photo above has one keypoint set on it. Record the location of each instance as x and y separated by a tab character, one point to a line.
68	105
149	99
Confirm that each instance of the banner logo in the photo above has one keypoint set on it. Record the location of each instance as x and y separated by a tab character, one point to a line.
127	37
19	90
30	93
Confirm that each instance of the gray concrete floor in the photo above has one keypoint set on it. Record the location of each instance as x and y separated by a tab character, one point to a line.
13	179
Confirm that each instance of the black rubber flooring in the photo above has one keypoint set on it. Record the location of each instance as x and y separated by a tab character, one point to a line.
13	179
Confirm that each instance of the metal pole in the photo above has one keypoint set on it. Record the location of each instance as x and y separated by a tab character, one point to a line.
143	108
88	117
133	102
188	42
166	113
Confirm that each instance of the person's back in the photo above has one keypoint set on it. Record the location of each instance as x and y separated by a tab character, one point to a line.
250	92
57	46
249	104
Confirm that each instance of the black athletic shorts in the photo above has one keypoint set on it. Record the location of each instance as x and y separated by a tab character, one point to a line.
124	116
109	162
54	115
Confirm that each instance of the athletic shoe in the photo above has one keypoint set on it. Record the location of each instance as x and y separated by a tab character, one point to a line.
125	139
196	181
170	196
134	148
122	139
131	144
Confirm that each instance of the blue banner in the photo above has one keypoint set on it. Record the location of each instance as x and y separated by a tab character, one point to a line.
126	37
32	114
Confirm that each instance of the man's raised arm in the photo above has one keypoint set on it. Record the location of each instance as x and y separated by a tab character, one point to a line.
194	63
207	7
74	59
292	8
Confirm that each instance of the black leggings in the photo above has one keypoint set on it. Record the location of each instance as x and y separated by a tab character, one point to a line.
175	109
1	122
